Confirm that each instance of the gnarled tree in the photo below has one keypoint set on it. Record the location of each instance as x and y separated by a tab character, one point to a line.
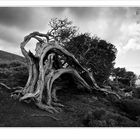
49	63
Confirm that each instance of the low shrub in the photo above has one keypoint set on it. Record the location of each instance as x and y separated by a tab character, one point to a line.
102	118
136	92
130	106
11	64
15	72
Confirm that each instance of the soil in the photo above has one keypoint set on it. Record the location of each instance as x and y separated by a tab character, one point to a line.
81	109
18	114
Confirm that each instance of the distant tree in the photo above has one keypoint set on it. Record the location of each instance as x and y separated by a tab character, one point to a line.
119	72
95	54
127	78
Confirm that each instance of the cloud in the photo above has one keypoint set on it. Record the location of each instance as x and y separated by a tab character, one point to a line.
16	22
9	47
11	35
58	9
131	67
106	22
133	44
24	18
129	40
79	12
118	25
12	16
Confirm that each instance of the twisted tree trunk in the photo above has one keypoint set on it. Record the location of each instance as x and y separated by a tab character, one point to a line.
49	63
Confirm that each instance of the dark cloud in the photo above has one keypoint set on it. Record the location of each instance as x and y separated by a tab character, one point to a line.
58	9
85	12
32	18
24	18
80	12
36	18
13	16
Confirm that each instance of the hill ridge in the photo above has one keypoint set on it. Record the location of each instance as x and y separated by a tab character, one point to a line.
7	56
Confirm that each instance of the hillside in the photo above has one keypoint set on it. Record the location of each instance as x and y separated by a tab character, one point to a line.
6	57
81	109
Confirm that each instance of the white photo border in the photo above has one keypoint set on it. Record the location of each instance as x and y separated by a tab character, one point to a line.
66	133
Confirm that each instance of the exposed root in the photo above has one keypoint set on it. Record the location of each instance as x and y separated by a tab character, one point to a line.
15	91
105	91
5	86
16	94
57	104
45	115
28	96
50	109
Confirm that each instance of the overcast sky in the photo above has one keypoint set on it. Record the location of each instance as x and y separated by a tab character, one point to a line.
120	26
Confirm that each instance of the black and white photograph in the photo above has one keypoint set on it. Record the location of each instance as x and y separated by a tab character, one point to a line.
70	66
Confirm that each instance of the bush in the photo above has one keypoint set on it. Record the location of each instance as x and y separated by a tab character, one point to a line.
4	65
16	64
12	64
136	92
14	72
130	106
102	118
